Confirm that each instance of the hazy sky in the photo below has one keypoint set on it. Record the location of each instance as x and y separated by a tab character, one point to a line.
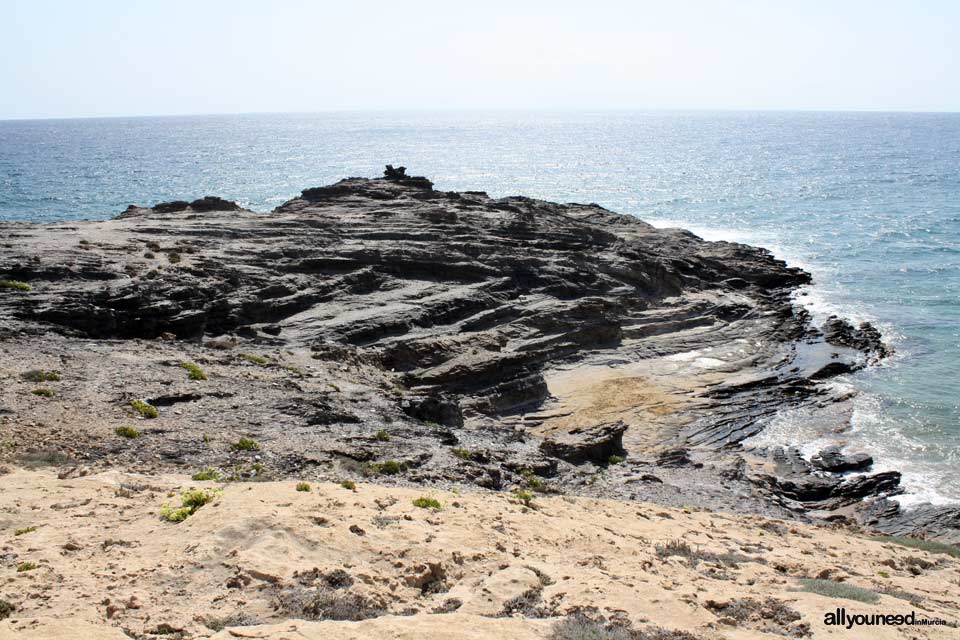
140	57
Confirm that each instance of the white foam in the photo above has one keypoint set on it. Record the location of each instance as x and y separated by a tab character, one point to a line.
925	482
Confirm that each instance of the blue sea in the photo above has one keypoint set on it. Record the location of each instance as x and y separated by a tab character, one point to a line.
869	203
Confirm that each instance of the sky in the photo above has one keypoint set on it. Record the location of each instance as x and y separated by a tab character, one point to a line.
146	57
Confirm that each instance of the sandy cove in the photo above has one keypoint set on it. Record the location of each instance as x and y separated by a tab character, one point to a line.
482	566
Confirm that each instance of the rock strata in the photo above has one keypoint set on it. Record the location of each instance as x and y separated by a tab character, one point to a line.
381	327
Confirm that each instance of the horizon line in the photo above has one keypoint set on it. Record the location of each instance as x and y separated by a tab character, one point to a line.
387	110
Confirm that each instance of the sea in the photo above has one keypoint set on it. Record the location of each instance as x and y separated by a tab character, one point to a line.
869	203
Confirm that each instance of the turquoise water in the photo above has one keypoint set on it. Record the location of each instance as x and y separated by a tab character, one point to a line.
869	203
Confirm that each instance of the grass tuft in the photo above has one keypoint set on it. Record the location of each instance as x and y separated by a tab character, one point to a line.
145	409
386	468
255	359
427	503
246	444
348	484
194	370
190	501
524	496
127	431
460	452
382	436
208	473
615	459
46	393
20	532
14	284
26	566
303	486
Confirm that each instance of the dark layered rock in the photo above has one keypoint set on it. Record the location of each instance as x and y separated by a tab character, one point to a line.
831	459
435	317
864	338
587	444
205	204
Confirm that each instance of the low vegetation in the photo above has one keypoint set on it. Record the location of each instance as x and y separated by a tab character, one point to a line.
145	409
524	496
6	609
615	459
20	532
26	566
427	503
929	546
681	549
173	257
833	589
348	484
382	436
45	393
39	375
246	444
194	372
303	486
190	501
126	431
14	284
209	473
255	359
386	468
462	453
44	458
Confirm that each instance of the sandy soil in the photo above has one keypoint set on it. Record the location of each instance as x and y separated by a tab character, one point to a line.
266	557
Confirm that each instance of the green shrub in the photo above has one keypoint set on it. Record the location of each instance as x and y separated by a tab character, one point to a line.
303	486
208	473
38	375
20	532
382	436
46	393
833	589
524	496
615	459
14	284
246	444
532	480
427	503
349	484
145	409
255	359
173	257
190	501
26	566
387	467
923	545
194	370
462	453
127	432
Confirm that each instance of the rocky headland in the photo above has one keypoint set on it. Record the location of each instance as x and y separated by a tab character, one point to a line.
379	330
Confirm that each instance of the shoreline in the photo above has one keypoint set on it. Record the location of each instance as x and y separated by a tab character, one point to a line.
816	301
502	343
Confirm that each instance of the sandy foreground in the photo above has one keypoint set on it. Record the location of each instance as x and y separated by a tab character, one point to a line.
482	566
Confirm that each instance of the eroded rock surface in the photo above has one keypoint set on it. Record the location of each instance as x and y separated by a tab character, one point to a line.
382	327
